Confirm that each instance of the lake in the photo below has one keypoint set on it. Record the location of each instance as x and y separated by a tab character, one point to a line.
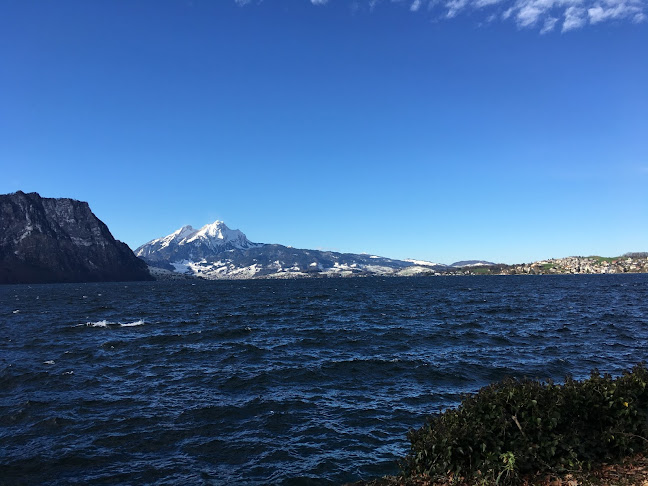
280	381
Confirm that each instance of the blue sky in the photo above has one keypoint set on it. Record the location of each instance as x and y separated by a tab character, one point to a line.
503	130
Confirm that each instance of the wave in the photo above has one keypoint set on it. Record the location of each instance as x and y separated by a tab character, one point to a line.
105	323
132	324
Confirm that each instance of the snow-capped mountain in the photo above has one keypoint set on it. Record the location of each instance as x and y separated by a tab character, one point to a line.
190	244
217	252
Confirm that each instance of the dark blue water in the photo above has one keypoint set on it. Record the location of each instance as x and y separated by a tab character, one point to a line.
279	382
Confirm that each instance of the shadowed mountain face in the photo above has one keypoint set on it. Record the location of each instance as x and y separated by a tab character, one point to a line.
45	240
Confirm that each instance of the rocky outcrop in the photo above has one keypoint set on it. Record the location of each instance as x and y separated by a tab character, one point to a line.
44	240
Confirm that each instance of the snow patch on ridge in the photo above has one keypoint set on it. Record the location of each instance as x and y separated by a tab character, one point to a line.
424	263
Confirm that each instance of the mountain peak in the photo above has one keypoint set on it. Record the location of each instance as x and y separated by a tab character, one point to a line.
216	223
217	229
217	233
187	242
183	232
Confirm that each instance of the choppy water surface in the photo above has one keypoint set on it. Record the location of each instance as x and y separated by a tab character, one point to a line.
279	382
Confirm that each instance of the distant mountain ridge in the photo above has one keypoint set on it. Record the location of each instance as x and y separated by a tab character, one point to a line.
60	240
45	240
217	252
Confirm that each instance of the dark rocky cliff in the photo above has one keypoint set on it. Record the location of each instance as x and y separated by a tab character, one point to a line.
60	240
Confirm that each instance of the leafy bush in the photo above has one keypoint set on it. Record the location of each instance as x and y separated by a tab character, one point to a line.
520	427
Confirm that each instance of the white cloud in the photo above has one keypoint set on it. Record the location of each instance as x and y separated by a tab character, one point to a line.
454	6
601	13
485	3
543	15
528	15
507	13
549	24
574	18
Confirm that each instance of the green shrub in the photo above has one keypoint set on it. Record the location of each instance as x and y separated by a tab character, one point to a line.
519	427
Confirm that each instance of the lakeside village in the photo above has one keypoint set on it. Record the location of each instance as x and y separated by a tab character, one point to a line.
627	263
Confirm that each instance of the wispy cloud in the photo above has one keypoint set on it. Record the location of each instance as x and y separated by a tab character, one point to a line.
549	24
544	15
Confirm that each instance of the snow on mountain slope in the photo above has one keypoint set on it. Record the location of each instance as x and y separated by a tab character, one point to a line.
218	234
174	238
425	263
190	244
472	263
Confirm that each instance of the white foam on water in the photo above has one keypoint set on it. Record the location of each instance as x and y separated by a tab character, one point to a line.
132	324
106	323
49	362
103	323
